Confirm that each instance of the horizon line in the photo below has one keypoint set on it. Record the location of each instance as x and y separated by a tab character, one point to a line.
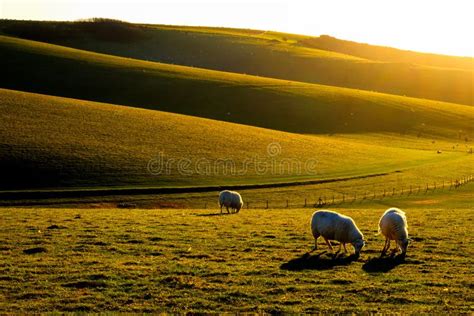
242	28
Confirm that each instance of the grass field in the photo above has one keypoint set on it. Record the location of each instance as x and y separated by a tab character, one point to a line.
271	54
387	190
194	261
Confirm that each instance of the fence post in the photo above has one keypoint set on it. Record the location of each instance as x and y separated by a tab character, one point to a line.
410	189
287	203
304	202
383	193
333	199
343	197
267	204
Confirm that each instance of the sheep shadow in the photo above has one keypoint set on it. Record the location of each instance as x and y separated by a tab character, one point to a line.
386	264
214	214
317	262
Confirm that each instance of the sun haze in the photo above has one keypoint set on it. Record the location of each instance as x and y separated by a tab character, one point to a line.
441	26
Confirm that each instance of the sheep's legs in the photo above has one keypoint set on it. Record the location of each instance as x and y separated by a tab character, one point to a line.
315	244
386	246
227	209
329	244
341	244
221	208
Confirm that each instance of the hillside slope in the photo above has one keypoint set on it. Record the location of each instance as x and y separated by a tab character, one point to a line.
52	142
276	104
268	54
388	54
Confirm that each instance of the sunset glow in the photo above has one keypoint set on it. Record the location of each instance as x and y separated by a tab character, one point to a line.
440	26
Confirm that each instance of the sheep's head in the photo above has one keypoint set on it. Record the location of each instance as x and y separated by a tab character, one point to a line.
239	206
403	244
358	244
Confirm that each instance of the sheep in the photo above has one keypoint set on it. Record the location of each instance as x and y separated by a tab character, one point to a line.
393	225
230	199
334	226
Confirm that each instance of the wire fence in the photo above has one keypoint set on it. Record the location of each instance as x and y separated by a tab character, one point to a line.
318	201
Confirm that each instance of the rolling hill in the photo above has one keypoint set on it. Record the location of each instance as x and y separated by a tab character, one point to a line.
73	118
52	143
270	103
321	60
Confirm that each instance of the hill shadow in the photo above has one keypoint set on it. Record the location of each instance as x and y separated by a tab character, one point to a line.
386	264
317	262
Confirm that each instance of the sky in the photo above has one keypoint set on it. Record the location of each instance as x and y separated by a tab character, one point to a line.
436	26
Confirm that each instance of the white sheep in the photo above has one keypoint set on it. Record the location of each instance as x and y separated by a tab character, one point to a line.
230	199
393	225
334	226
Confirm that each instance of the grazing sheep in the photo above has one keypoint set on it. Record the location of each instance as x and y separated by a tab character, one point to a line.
393	225
230	199
334	226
